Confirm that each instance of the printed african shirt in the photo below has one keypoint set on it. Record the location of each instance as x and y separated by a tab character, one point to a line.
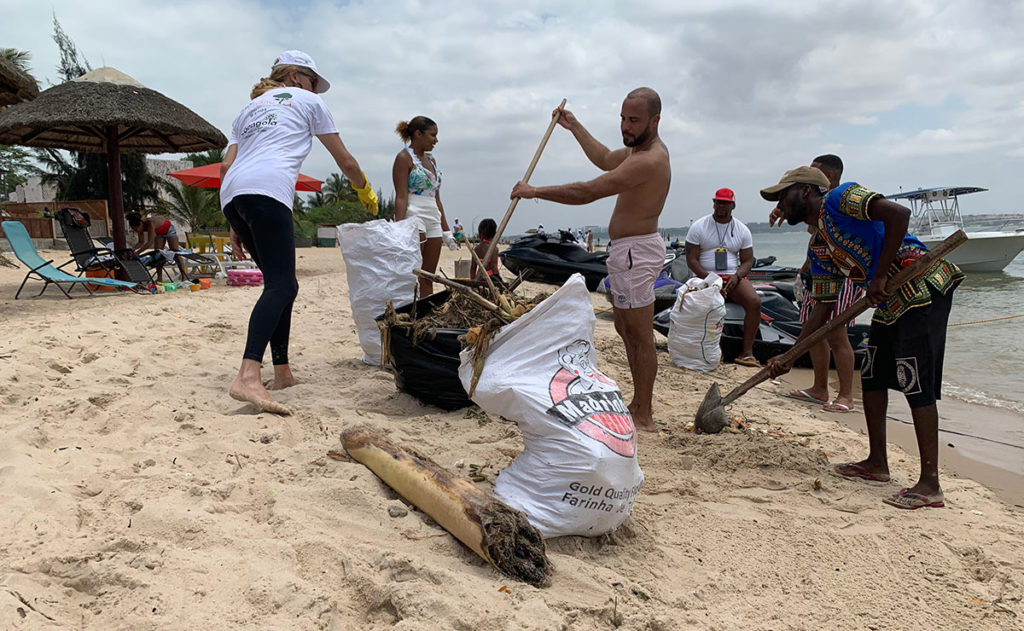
847	245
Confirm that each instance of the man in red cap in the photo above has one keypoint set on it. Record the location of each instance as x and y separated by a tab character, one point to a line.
720	243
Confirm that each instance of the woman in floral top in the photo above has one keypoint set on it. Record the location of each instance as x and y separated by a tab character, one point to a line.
418	192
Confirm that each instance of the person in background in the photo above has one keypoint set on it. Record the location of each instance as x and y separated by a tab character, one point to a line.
722	244
417	183
590	240
863	236
639	174
486	231
457	231
270	138
838	341
157	233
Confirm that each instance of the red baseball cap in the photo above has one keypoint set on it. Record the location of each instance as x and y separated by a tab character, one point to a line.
725	195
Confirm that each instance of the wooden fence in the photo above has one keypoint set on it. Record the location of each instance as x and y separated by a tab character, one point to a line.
40	226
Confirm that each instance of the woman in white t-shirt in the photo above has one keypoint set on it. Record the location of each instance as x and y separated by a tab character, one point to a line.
269	140
418	192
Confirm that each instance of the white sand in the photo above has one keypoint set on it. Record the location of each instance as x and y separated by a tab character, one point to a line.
139	496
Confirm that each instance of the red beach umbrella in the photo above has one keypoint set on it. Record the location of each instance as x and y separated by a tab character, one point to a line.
208	176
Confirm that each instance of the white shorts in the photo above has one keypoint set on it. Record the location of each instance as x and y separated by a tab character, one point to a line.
423	209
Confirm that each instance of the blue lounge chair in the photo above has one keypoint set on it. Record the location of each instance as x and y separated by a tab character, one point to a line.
40	269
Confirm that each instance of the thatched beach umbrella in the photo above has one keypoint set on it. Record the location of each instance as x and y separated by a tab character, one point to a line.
15	85
106	111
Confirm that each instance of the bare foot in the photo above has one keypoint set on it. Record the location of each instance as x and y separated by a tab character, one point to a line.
259	397
281	384
643	422
283	377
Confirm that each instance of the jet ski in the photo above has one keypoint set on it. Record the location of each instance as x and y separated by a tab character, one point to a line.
778	329
554	259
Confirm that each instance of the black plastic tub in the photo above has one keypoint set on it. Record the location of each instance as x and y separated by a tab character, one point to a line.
429	369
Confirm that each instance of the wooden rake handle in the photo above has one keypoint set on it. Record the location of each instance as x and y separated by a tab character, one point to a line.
526	178
907	274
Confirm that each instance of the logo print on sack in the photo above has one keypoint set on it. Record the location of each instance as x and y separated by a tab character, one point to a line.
907	375
589	401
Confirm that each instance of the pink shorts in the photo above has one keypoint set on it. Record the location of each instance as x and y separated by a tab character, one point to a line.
633	265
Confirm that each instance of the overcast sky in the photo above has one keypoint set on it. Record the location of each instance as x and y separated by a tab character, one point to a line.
910	94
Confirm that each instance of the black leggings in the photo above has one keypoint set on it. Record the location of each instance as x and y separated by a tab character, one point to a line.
265	227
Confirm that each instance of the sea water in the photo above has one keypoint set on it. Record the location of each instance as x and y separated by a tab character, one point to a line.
984	362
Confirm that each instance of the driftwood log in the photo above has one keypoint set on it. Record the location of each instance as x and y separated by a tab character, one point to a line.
501	535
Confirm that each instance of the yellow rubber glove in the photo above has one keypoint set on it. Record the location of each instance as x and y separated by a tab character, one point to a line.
367	197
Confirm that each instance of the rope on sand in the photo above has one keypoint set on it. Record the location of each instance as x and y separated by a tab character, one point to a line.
1019	315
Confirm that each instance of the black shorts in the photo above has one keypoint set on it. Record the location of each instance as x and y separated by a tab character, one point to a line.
907	354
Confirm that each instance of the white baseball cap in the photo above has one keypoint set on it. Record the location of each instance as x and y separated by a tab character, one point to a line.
299	58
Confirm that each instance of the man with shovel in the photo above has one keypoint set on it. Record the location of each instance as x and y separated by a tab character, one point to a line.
639	174
863	236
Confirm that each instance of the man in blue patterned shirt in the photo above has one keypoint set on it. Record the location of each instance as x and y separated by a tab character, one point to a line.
863	236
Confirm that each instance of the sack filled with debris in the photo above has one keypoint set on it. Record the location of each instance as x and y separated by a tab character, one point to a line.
578	472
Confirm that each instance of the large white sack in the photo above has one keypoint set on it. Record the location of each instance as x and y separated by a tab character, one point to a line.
696	323
578	473
379	259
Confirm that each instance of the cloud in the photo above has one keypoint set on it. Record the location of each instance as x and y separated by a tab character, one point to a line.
750	89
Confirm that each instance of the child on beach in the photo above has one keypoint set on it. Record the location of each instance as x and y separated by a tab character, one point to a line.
486	231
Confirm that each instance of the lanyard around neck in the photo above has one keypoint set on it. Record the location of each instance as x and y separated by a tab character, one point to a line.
721	241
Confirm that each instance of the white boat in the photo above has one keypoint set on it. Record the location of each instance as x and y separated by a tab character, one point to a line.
936	215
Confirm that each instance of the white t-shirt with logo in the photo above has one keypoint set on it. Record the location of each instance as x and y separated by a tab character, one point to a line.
274	134
709	235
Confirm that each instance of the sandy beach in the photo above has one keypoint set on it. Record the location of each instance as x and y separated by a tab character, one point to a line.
140	496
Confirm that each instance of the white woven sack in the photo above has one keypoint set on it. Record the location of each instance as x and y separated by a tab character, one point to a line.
695	330
379	259
578	472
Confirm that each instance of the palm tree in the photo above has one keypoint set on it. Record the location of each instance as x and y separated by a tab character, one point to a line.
213	156
197	207
20	60
17	57
337	189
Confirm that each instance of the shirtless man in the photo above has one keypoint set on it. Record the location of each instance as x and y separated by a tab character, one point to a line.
640	175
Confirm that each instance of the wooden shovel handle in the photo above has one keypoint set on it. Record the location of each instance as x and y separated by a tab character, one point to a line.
526	178
904	276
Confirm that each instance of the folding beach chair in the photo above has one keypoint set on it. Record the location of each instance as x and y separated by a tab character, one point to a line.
223	260
41	269
84	253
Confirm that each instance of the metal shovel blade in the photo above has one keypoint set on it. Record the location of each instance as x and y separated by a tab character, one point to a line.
711	416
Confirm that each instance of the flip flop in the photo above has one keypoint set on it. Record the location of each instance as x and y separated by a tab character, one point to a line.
854	470
747	361
801	395
840	408
913	501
